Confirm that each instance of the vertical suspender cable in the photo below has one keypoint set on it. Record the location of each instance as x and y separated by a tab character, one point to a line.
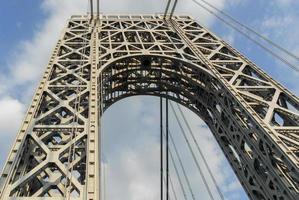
77	108
193	154
200	152
91	8
161	147
173	189
182	166
75	121
167	8
167	152
161	139
173	8
98	8
178	176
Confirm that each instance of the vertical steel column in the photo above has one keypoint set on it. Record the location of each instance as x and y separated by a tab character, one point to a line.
93	165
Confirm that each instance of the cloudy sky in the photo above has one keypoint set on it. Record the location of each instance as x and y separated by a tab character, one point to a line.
29	30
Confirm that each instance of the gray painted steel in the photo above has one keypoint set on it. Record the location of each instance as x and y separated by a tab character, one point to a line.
97	62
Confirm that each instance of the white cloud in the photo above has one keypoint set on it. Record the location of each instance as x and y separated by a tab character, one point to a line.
284	2
131	149
31	57
131	144
230	38
280	24
12	112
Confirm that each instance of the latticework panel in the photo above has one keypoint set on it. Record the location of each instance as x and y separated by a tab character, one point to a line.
48	158
270	112
100	61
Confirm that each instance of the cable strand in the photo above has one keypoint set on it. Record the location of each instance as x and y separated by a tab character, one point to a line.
178	176
252	30
200	152
295	68
192	153
182	166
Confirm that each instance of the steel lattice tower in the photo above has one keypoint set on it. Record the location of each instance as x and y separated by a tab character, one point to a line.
95	63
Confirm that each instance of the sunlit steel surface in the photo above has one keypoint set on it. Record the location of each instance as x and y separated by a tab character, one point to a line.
97	62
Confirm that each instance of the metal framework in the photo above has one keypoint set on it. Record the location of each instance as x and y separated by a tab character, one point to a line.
255	120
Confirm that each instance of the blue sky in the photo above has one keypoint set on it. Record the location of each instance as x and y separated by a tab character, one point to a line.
29	30
18	22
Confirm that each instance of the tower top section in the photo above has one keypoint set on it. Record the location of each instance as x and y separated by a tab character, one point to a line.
133	17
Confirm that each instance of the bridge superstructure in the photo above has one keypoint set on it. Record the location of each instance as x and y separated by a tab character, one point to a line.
98	61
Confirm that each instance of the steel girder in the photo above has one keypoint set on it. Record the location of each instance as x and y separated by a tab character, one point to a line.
98	62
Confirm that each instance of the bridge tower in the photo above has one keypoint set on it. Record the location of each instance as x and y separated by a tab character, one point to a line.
56	154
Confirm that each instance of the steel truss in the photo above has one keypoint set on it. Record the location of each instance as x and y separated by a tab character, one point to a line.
95	63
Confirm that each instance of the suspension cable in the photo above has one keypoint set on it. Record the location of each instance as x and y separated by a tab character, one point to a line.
192	153
77	102
173	189
178	176
161	148
173	8
98	9
182	166
167	8
75	121
91	8
72	148
252	30
249	37
167	151
166	134
200	152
